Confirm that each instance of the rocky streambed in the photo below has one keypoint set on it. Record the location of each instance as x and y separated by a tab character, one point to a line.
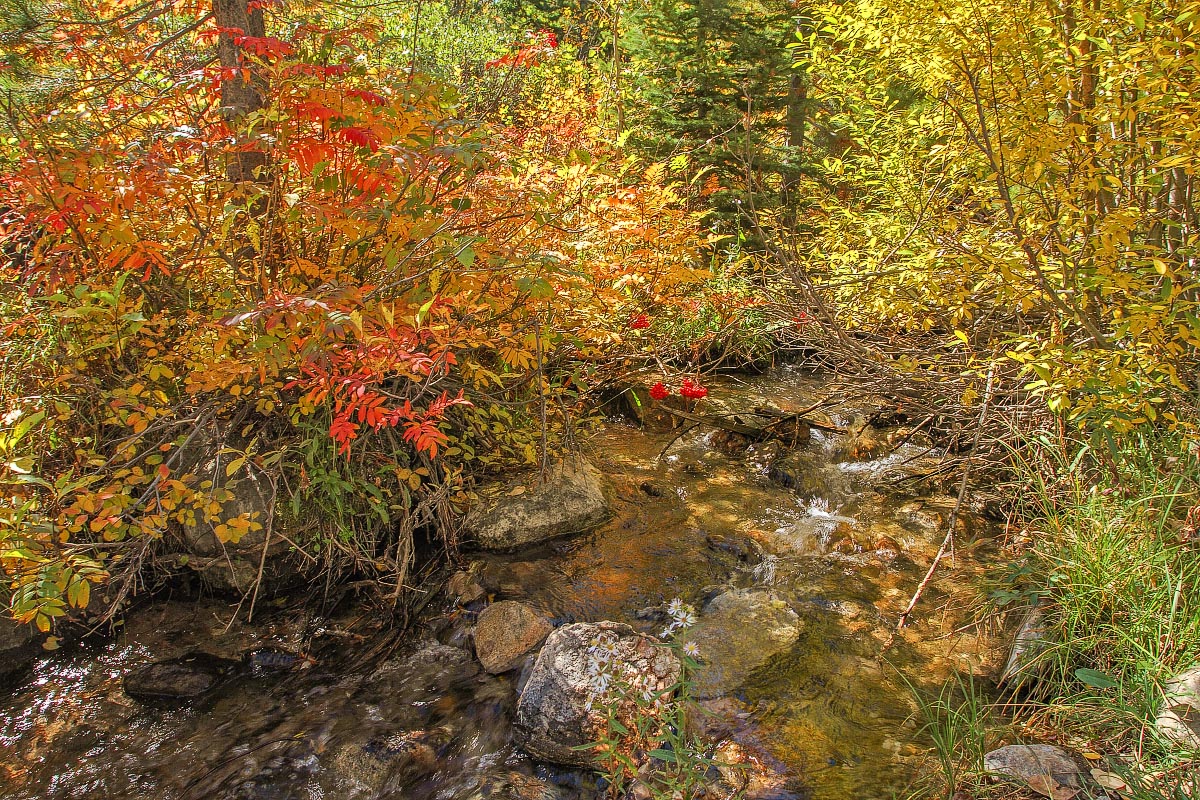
798	560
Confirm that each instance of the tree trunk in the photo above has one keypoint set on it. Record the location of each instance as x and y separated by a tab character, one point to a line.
244	92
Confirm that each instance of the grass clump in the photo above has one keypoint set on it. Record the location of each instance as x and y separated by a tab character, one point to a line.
1113	567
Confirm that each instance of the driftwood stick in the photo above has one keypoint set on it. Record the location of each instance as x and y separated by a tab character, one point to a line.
962	494
757	434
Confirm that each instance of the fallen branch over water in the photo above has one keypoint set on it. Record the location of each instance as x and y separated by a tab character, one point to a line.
734	425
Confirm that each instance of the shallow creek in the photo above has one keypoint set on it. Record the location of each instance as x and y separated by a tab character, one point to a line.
844	548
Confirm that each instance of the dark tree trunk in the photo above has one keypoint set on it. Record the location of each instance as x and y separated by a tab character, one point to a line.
241	94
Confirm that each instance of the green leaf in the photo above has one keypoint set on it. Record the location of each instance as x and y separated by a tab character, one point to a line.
1095	678
670	756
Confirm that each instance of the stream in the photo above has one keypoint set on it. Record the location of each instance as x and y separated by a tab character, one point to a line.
843	545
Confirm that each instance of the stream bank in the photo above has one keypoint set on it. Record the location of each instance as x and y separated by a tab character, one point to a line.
829	553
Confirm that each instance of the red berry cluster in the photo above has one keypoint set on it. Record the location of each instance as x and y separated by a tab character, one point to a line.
692	391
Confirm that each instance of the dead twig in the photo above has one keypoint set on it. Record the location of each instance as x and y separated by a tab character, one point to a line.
962	494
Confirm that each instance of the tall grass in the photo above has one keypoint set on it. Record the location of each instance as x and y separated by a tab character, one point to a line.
1118	570
961	727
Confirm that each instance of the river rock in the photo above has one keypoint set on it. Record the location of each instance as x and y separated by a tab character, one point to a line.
1030	640
746	774
653	415
738	632
505	632
397	758
1179	717
464	588
1037	763
560	709
863	442
18	650
233	567
183	678
569	500
513	785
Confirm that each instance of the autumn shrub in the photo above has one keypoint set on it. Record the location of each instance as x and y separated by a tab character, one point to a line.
342	285
1009	191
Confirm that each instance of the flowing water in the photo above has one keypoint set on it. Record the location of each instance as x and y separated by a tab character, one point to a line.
844	547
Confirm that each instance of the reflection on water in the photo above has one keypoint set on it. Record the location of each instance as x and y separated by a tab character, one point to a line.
832	711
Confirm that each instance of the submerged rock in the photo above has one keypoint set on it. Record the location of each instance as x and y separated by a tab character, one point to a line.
1179	717
560	708
183	678
742	548
1037	763
395	759
570	499
738	632
739	772
505	632
513	785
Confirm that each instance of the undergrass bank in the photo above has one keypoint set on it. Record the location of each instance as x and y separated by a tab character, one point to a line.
1109	562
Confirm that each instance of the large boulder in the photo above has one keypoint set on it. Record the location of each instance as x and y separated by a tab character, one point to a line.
18	650
738	632
1179	717
568	499
229	566
1043	766
505	632
563	705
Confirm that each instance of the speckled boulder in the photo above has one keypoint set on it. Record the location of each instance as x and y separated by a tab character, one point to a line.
568	499
1031	762
560	707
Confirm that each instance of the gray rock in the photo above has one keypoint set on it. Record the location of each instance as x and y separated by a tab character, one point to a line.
559	708
569	500
1179	717
505	632
738	632
249	493
1030	641
233	567
13	634
1027	762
